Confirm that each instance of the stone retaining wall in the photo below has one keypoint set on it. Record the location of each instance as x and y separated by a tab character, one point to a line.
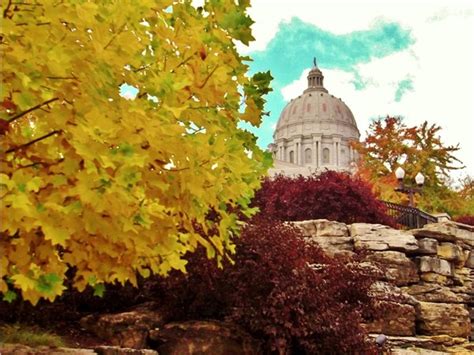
431	268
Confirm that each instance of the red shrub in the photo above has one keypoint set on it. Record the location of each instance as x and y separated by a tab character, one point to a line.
330	195
466	220
284	292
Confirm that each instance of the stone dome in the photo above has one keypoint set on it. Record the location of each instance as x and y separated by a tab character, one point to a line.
314	131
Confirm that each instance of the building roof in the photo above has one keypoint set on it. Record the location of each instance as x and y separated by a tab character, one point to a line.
316	105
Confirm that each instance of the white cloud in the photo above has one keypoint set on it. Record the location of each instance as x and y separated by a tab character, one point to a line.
440	62
343	16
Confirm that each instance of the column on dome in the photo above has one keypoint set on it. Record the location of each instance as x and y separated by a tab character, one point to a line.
315	153
320	151
339	153
334	154
297	156
302	159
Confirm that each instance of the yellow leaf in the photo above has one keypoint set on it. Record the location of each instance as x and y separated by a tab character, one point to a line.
57	235
23	282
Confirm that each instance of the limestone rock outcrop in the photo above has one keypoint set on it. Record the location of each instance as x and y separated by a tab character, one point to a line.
433	293
397	266
427	246
398	319
203	337
427	275
431	267
443	318
322	228
377	237
332	236
127	329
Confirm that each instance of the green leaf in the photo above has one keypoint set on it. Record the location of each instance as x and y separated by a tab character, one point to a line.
40	207
9	296
46	282
99	290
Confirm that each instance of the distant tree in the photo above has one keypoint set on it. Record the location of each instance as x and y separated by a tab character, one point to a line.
107	187
390	144
466	188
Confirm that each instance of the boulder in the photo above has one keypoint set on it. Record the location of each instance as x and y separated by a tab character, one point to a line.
436	265
450	252
116	350
427	246
443	318
333	246
447	232
322	228
203	337
379	238
432	277
127	329
430	292
397	319
470	260
413	350
19	349
437	342
463	276
398	267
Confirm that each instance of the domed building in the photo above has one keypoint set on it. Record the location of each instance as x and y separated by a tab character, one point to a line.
314	132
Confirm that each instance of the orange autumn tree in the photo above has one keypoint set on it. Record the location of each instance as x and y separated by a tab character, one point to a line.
390	144
109	187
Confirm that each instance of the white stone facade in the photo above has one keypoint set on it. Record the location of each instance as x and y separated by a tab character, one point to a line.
314	132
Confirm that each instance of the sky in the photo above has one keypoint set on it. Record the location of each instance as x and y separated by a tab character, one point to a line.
413	59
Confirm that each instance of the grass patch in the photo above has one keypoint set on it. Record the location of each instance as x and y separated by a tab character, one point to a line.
30	336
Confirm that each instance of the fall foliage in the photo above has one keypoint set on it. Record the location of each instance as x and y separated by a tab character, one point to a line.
390	144
104	187
283	291
331	195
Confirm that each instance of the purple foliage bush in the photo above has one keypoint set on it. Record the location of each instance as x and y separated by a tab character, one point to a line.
330	195
287	293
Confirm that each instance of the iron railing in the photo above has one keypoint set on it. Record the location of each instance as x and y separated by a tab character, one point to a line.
408	217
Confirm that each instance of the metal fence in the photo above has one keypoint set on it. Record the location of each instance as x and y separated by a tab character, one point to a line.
408	217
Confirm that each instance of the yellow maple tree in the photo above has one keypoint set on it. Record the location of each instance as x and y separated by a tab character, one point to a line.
105	185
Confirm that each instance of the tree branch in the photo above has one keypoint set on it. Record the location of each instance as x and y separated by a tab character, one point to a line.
62	77
46	165
5	12
21	114
26	145
208	77
115	36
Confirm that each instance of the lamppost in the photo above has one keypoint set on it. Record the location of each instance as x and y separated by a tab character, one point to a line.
409	190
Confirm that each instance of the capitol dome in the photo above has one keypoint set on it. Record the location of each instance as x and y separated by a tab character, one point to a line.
314	132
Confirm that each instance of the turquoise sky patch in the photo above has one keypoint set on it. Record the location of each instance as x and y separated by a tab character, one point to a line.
404	86
295	44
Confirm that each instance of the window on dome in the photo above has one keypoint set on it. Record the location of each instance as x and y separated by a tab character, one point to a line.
326	156
308	108
307	156
292	157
